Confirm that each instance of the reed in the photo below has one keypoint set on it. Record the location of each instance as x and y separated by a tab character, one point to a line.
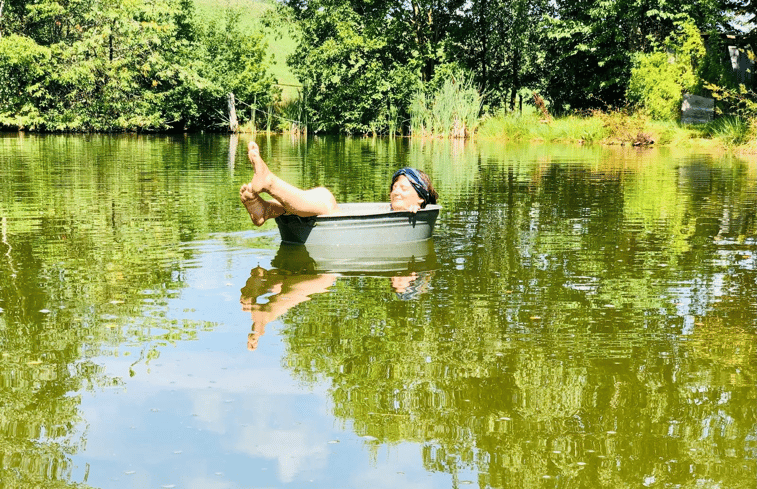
290	115
451	111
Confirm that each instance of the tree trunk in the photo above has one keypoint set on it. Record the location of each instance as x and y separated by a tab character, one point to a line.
483	32
2	3
515	76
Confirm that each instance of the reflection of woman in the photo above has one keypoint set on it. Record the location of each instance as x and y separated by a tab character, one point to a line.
270	293
411	286
284	291
410	190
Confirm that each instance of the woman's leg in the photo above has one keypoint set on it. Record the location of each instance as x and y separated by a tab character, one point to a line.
304	203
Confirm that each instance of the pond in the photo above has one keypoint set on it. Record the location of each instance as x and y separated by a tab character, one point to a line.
582	317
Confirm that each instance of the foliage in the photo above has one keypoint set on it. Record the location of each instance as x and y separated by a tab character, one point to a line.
146	65
617	127
660	78
501	41
231	52
578	55
598	40
739	101
655	85
126	65
531	127
352	83
730	130
23	67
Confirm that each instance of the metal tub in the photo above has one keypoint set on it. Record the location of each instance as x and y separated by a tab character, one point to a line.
360	224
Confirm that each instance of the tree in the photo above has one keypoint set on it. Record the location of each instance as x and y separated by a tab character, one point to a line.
591	43
501	41
123	65
660	78
361	61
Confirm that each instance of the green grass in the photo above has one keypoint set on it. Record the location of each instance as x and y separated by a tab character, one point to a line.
280	43
452	111
531	127
621	128
730	130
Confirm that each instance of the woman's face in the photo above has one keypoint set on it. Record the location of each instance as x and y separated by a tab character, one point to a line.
403	196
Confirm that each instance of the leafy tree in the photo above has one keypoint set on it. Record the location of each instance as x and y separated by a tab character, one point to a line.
24	66
361	62
591	44
501	41
124	65
345	70
235	62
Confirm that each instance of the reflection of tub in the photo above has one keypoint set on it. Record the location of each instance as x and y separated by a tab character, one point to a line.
370	223
373	259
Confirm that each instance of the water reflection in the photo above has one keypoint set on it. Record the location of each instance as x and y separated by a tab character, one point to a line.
379	258
270	293
299	272
585	317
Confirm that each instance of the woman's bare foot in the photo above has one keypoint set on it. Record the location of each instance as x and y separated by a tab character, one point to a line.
261	181
255	205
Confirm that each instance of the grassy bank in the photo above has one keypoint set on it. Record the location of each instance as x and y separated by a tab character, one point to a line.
621	128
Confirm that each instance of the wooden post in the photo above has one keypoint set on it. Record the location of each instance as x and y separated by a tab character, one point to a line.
233	124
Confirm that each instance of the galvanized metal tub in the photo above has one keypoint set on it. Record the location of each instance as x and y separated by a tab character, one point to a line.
364	224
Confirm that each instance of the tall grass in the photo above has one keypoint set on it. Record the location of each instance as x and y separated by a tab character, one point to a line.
730	130
287	116
529	127
452	111
291	114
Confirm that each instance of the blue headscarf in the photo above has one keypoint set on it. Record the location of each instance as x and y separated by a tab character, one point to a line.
420	186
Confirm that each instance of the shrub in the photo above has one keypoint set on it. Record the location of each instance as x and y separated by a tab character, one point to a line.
659	79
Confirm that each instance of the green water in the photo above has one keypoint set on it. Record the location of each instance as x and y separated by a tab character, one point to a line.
584	317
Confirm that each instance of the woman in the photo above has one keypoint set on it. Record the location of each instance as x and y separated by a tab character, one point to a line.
410	190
